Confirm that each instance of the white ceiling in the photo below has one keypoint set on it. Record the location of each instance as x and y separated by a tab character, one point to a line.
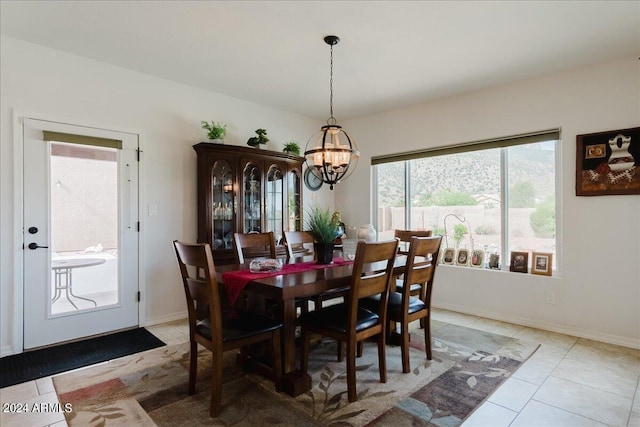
391	54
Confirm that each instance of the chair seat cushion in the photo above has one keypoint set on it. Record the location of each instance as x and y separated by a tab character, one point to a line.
334	318
394	307
241	324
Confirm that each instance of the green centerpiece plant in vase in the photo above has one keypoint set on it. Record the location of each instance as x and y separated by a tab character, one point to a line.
320	225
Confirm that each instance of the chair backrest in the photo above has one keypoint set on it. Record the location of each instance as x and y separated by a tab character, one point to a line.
405	238
256	244
372	274
422	261
200	286
301	241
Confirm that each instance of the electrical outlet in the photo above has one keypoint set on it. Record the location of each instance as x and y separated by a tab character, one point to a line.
551	297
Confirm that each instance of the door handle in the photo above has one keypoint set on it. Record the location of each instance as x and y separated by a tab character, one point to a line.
34	245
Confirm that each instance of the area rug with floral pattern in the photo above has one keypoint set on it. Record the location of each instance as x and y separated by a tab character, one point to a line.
150	388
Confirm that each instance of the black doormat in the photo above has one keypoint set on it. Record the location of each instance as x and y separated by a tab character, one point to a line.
44	362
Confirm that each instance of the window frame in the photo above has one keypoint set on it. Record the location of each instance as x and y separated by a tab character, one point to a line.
503	143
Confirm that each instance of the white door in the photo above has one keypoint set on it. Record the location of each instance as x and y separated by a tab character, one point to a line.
80	232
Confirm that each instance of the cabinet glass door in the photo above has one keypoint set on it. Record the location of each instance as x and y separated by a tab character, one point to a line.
295	211
252	199
275	202
222	204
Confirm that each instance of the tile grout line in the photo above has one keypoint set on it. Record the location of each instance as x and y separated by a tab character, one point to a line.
633	399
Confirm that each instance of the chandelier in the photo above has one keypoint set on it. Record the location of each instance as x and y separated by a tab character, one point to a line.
330	154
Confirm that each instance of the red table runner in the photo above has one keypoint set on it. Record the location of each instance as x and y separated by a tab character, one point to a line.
235	281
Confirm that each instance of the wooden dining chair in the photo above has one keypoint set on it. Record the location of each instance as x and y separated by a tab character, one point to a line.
295	240
403	308
405	237
298	243
253	245
350	323
219	330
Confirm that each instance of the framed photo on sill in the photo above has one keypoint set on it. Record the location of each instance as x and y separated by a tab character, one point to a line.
448	256
541	263
462	257
477	258
519	262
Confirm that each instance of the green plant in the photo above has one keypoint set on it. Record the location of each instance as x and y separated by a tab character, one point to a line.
486	230
291	147
543	219
522	195
448	198
437	231
215	130
254	141
459	231
320	224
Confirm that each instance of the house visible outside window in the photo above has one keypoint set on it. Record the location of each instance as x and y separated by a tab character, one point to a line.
497	196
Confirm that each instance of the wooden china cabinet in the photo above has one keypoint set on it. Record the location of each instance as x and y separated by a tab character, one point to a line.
246	190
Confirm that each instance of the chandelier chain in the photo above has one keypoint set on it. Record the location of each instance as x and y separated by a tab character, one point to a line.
331	88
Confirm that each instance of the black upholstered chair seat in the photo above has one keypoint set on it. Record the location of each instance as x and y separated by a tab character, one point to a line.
335	317
394	309
241	325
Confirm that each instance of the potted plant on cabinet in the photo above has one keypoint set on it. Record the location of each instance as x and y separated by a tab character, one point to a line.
324	230
291	147
255	141
215	130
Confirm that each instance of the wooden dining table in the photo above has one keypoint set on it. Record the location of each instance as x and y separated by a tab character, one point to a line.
285	289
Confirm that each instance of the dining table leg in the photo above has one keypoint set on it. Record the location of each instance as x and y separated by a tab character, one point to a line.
295	382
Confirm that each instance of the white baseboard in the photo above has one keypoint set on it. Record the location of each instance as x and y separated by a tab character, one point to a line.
166	318
547	326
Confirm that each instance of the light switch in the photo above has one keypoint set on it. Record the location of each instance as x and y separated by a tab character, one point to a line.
152	209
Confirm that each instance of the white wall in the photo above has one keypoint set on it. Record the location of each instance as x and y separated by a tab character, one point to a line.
54	83
598	292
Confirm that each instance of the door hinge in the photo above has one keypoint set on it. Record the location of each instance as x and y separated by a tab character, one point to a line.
138	226
138	151
139	296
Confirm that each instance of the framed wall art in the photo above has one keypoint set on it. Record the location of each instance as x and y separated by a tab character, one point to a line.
519	262
541	263
608	163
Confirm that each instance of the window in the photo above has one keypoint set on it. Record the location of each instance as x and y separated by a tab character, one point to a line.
497	196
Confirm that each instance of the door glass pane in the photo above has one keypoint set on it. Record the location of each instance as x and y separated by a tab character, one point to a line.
252	199
223	205
84	228
295	219
275	202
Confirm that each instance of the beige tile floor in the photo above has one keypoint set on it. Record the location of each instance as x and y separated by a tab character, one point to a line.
568	382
